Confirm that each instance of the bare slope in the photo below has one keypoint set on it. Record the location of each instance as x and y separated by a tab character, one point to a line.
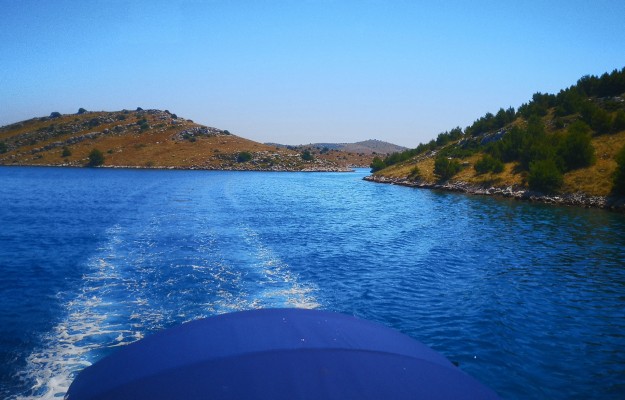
143	138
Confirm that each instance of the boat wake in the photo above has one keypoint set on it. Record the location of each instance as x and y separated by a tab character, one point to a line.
139	283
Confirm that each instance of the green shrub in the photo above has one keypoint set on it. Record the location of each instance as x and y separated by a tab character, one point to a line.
445	168
55	114
66	152
307	155
619	174
144	126
96	157
415	173
81	110
618	123
244	156
545	176
576	149
488	164
601	121
3	147
377	164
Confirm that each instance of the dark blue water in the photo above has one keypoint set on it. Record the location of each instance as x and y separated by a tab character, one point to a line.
528	299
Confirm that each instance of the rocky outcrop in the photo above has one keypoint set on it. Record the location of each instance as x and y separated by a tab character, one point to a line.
514	192
199	131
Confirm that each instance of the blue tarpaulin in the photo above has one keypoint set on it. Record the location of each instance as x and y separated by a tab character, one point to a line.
276	354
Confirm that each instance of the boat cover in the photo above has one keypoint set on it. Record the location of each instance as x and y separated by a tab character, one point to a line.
276	354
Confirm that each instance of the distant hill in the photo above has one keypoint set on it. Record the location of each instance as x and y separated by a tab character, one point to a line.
565	148
148	139
371	146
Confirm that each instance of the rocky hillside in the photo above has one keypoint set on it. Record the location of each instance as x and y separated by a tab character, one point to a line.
145	139
567	148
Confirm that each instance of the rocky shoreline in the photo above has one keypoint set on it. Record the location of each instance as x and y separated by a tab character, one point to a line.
196	167
513	192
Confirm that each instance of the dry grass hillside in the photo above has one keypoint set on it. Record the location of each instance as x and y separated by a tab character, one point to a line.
150	139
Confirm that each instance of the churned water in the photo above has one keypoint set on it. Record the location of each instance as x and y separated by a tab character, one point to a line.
529	299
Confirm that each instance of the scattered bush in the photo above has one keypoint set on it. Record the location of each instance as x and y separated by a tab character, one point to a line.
307	155
576	149
144	126
377	164
601	121
3	147
96	158
488	164
618	123
445	168
545	176
619	174
244	156
66	152
415	173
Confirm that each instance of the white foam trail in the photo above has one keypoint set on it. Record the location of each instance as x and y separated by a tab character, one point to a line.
91	322
280	286
131	287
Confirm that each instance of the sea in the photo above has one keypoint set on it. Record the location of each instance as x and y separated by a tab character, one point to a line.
527	298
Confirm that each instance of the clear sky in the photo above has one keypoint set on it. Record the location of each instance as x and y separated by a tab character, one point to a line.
298	72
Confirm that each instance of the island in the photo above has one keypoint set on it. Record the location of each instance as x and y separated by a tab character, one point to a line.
160	139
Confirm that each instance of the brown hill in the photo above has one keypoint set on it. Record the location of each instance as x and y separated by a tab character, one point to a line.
147	139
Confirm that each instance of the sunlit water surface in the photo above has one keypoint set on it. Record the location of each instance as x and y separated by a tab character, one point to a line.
529	299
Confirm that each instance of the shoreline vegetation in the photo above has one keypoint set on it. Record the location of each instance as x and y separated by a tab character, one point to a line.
566	148
516	192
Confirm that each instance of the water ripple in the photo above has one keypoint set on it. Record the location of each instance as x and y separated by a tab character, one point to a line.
529	299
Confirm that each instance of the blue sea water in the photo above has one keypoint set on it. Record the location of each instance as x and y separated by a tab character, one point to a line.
529	299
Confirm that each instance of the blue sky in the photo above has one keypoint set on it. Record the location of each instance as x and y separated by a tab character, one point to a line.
298	72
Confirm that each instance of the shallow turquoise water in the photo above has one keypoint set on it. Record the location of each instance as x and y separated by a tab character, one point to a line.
529	299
